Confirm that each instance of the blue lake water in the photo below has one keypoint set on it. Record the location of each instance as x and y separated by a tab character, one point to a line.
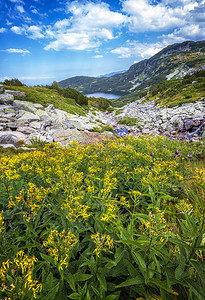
104	95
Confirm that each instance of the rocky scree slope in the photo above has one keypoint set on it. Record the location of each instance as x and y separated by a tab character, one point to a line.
26	121
174	61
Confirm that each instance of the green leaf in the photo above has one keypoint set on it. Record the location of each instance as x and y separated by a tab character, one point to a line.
179	242
102	281
74	296
111	297
48	258
52	293
161	284
196	289
132	281
69	278
140	261
179	272
82	277
131	269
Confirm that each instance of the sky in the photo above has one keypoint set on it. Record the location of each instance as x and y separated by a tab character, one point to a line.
45	41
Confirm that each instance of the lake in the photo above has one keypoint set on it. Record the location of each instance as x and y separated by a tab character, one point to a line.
104	95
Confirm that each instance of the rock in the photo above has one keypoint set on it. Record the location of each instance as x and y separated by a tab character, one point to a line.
36	125
6	99
188	124
1	89
26	129
8	146
27	116
25	106
8	138
15	93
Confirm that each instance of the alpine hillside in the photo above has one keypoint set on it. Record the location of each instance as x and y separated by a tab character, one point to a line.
174	61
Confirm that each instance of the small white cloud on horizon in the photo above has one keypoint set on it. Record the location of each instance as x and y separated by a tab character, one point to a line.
18	51
98	56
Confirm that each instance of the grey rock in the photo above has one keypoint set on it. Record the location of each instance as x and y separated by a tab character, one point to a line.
6	99
8	138
1	89
15	93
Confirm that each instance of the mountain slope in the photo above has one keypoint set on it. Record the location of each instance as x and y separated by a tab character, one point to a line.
173	62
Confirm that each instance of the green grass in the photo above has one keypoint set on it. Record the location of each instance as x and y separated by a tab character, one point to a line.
128	121
43	96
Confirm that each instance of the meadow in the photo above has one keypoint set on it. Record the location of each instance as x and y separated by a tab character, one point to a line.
122	219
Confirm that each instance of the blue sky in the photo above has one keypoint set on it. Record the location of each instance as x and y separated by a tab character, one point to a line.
42	41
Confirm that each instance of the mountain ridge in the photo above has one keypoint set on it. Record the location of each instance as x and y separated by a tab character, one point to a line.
174	61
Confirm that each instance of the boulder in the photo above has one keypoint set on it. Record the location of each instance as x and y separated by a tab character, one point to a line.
8	138
28	116
1	89
15	93
25	105
6	99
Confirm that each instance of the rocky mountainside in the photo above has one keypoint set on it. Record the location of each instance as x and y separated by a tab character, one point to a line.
26	122
173	62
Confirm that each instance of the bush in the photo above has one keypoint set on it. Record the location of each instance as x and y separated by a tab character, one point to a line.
128	121
13	82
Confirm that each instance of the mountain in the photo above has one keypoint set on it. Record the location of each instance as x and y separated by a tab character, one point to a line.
111	74
173	62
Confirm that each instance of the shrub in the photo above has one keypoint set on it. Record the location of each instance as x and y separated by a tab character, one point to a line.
128	121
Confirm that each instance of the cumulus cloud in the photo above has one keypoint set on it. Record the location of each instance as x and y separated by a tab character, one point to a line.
17	30
89	25
136	49
20	8
18	51
74	41
2	29
34	32
144	16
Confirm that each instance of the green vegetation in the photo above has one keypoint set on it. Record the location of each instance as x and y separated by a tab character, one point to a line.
128	121
103	128
146	73
100	103
176	92
122	219
67	99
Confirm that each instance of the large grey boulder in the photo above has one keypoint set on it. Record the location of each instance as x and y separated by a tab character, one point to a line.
8	138
15	93
6	99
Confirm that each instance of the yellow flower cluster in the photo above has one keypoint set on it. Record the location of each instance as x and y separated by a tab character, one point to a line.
103	243
58	245
21	269
184	206
156	225
200	175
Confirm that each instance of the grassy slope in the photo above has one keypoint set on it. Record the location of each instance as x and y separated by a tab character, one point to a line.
172	92
44	96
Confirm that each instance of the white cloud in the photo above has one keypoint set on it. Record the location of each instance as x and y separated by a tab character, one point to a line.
75	41
137	50
89	25
144	16
18	51
2	29
62	24
17	30
34	32
188	32
17	1
20	8
87	16
34	11
98	56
